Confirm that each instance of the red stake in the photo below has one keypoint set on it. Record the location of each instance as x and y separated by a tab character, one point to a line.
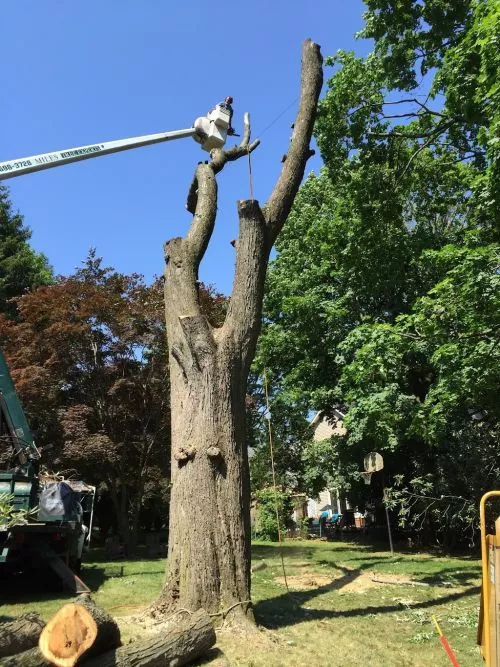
444	642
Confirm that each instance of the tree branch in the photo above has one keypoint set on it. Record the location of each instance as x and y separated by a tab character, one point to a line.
220	157
203	191
288	183
437	131
243	316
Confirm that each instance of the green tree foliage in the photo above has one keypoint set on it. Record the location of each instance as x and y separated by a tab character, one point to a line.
21	268
383	297
267	499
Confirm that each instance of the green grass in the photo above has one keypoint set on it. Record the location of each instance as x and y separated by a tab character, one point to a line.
338	624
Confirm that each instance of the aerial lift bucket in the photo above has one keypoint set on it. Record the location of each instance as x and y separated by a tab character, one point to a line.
488	632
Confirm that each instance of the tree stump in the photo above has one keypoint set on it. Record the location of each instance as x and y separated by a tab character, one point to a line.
20	634
78	629
191	639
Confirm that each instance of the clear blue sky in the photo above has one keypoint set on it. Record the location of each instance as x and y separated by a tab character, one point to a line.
76	73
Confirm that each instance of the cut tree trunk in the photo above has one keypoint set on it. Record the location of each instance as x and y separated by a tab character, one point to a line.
191	639
20	634
209	530
78	629
209	503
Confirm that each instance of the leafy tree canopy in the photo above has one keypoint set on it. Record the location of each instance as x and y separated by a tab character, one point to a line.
21	268
383	297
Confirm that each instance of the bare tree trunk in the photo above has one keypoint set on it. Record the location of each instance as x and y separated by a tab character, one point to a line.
209	545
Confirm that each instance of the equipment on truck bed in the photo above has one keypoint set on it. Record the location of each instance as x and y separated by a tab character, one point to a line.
60	511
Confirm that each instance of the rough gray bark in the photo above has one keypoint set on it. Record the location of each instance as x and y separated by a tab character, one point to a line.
189	640
209	537
20	634
30	658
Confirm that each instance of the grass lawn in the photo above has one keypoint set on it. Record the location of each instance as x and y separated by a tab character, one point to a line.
334	614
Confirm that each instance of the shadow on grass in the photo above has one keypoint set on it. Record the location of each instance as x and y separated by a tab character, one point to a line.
263	550
286	609
43	585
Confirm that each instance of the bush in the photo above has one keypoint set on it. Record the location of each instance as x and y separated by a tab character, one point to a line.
266	526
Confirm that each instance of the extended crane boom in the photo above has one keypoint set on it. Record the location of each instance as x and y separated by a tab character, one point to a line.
210	131
27	165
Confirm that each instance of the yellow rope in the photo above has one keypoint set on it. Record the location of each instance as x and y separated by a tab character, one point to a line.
271	449
250	174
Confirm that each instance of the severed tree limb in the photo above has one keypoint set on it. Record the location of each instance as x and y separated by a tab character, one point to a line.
20	634
30	658
190	639
283	195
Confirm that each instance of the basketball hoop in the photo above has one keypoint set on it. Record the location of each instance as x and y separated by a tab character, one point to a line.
367	476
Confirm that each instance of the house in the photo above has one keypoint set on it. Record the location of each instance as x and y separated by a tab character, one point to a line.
329	500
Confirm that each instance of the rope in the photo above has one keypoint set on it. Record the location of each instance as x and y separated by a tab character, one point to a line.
250	175
277	118
259	136
271	449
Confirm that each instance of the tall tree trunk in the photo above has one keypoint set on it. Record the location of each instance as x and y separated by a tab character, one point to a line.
209	539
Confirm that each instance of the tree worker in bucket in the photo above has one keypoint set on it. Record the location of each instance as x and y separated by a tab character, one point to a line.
227	104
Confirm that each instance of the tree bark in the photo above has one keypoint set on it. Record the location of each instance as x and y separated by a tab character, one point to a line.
189	640
31	658
20	634
76	630
209	545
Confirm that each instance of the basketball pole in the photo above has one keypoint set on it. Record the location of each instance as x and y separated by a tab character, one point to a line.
388	526
389	532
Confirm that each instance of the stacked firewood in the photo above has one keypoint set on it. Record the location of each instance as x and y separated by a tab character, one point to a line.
82	633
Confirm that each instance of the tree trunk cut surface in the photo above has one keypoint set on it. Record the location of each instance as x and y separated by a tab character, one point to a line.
181	645
68	634
20	634
77	629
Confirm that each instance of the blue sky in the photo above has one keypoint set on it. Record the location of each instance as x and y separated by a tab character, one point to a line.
85	72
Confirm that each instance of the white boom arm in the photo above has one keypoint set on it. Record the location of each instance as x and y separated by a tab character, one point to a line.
210	131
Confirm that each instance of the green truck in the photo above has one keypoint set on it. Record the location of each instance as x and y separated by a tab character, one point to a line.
50	545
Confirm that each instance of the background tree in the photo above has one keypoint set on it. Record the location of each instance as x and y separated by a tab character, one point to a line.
88	359
21	268
208	375
405	209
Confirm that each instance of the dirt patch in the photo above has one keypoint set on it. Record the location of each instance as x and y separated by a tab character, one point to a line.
304	582
348	581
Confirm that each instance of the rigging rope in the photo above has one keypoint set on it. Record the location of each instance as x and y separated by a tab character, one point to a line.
259	136
271	449
250	175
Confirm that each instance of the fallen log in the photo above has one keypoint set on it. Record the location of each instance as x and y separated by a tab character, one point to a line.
78	629
20	634
189	640
31	658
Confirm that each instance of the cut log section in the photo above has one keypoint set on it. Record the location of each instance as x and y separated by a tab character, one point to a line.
189	640
67	635
20	634
78	629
